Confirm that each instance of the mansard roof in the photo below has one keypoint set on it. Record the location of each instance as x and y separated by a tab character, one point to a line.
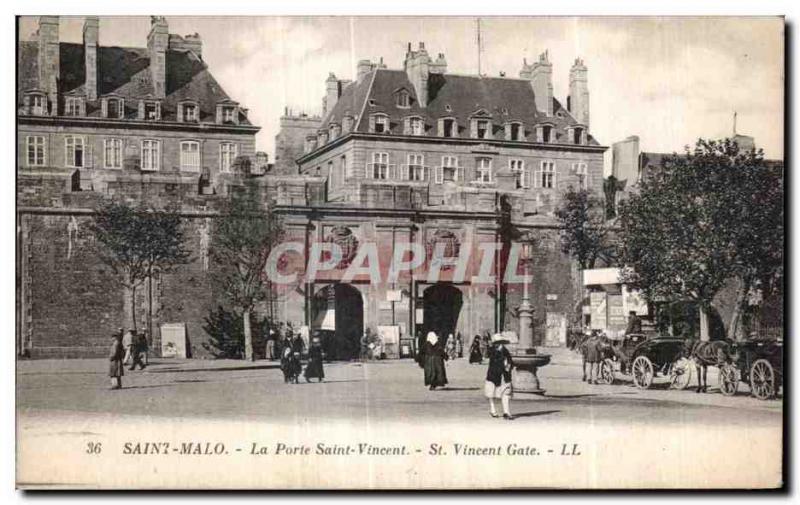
125	72
503	99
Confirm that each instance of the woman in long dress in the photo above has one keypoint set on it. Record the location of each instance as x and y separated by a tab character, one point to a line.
314	367
475	355
115	367
435	374
498	377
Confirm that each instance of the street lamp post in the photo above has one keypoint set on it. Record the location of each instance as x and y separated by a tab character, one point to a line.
526	360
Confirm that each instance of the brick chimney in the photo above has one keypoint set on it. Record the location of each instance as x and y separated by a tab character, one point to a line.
49	68
91	36
578	99
541	76
332	93
157	44
417	66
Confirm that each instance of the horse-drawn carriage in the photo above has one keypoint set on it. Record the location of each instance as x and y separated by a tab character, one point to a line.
758	363
644	358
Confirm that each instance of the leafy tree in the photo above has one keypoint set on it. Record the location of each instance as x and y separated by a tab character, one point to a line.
226	331
707	216
138	243
585	235
243	237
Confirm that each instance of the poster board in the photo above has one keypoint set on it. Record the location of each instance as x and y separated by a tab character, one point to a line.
173	340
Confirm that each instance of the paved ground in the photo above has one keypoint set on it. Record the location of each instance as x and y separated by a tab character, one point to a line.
372	391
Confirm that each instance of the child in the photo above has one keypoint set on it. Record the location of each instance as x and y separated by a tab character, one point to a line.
498	377
116	368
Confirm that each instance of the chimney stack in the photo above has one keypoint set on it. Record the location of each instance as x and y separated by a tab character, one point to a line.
439	66
578	99
49	56
91	38
541	76
417	66
332	93
157	44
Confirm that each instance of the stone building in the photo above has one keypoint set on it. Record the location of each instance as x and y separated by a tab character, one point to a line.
421	155
94	122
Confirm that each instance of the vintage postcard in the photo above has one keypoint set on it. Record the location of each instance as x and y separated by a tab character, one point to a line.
399	253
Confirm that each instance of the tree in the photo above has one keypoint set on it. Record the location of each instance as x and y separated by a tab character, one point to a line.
243	237
585	234
138	243
707	216
226	332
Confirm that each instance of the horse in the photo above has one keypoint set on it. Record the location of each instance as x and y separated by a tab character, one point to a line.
716	353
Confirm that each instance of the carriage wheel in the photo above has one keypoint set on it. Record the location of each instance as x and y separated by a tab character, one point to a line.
762	379
680	374
728	380
642	372
606	374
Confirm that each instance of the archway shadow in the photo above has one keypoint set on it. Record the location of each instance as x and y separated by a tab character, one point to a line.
458	389
537	413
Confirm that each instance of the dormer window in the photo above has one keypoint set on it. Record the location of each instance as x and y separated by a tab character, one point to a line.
114	108
36	104
347	124
227	115
415	126
379	123
334	130
483	129
578	135
448	127
403	99
189	113
73	106
544	134
514	131
228	112
152	111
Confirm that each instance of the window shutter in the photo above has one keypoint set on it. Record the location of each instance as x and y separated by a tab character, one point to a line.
407	126
141	109
537	176
369	171
508	131
88	153
459	173
404	172
473	128
121	106
526	178
372	124
440	128
391	172
555	177
104	107
180	113
539	134
454	129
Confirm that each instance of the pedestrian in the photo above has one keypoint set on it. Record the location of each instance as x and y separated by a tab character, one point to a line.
144	349
127	345
459	345
485	344
298	346
498	377
591	355
138	348
420	356
634	323
314	366
435	374
115	368
451	346
475	355
269	353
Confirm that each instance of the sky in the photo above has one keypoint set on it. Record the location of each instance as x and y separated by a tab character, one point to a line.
666	80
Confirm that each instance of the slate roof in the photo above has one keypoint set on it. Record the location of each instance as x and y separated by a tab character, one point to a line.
125	72
450	96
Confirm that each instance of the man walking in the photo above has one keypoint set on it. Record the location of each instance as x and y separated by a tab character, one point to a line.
127	345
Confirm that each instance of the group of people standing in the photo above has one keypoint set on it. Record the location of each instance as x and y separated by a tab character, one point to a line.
432	359
126	346
291	365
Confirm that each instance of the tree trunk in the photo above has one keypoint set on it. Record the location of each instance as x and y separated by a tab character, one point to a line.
736	315
705	334
248	337
129	308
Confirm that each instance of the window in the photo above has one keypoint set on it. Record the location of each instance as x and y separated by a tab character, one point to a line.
190	155
227	155
483	128
228	114
449	128
38	105
115	108
72	106
546	178
380	123
74	151
331	183
112	153
379	168
416	168
190	112
483	170
449	170
514	131
577	135
151	154
403	99
343	168
152	111
581	171
36	151
416	126
520	174
333	131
